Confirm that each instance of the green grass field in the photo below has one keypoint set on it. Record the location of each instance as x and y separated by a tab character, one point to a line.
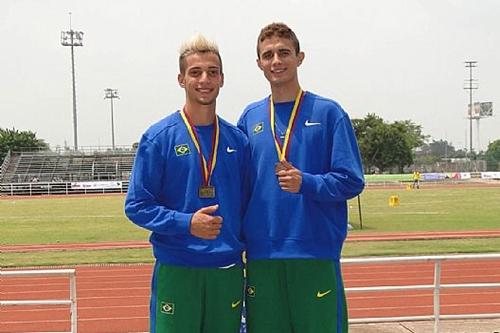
431	209
381	178
99	219
66	220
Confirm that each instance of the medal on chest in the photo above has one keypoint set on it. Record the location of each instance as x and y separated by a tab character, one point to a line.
283	150
206	190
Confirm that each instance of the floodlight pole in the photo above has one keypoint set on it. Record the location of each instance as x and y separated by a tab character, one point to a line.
111	94
73	38
470	87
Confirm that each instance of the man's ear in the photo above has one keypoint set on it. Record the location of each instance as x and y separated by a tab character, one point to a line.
301	57
221	80
259	65
180	79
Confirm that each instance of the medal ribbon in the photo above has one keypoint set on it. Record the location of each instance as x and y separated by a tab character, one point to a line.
206	168
283	151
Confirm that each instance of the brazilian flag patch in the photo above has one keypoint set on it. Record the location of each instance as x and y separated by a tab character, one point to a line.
251	291
167	308
258	128
181	150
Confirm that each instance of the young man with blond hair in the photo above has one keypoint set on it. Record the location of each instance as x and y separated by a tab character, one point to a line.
305	165
181	192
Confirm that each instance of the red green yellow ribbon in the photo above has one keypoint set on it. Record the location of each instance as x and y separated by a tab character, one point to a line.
283	151
206	168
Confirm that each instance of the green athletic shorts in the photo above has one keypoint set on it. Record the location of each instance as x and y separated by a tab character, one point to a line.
196	300
295	296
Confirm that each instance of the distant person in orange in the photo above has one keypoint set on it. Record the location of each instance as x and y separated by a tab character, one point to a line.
416	179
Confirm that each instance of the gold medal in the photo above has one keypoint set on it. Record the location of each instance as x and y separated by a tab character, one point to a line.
279	166
282	165
206	192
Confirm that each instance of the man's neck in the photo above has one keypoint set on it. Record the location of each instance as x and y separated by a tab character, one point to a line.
200	115
286	93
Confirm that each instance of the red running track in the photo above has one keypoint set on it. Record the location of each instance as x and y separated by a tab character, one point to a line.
351	237
115	298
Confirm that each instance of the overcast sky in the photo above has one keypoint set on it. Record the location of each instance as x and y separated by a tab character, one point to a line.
399	59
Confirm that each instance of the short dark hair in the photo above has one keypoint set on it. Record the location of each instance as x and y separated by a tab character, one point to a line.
278	29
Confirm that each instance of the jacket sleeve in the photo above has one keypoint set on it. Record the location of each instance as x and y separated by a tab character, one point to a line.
142	204
345	179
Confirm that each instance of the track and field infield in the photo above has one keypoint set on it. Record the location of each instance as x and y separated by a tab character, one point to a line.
78	224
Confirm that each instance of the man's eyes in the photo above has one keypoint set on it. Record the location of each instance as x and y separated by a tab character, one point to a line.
281	54
267	55
211	72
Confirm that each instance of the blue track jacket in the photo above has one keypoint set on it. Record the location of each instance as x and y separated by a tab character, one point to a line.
313	222
163	192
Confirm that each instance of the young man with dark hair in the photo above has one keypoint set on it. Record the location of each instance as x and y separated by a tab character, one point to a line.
180	191
305	165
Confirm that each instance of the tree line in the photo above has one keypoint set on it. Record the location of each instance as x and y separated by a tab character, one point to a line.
15	140
393	146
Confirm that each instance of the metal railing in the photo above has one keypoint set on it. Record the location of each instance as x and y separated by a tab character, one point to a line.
437	286
71	150
53	272
5	164
62	188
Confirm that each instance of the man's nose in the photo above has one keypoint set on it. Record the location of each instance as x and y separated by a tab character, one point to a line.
276	58
204	76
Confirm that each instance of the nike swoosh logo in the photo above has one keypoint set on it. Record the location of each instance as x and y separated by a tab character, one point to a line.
308	123
235	304
321	294
230	150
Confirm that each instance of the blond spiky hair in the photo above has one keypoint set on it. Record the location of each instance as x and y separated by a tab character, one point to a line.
197	44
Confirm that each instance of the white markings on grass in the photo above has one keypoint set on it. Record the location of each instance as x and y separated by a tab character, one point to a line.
31	217
409	213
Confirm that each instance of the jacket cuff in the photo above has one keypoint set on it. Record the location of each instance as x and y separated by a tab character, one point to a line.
182	223
308	185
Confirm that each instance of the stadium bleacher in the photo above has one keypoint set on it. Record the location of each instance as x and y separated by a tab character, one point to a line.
48	167
72	166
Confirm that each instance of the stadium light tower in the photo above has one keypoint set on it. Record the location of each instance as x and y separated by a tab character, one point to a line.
470	85
111	94
73	38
